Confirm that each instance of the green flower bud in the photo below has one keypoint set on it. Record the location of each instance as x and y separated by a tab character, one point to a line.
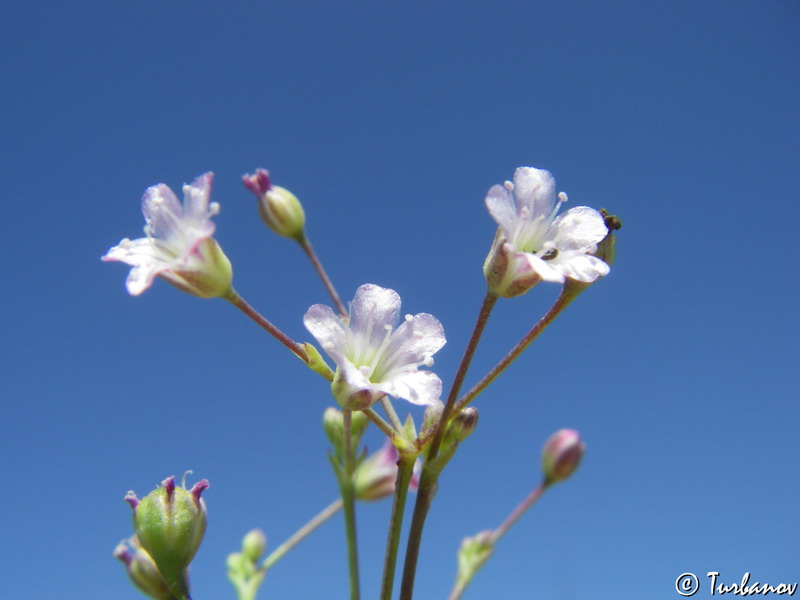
462	425
142	569
253	545
170	523
333	423
472	555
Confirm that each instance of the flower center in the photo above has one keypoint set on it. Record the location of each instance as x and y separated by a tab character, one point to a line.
531	232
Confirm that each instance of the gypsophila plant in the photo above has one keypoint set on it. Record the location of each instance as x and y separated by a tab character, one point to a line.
378	361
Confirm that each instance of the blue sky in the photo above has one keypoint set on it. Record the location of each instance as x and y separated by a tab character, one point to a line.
390	123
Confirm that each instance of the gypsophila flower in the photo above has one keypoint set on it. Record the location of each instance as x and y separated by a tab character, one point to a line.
533	243
178	245
373	358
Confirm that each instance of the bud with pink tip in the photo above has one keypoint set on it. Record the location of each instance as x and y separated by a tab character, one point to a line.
142	569
279	208
561	455
375	477
170	523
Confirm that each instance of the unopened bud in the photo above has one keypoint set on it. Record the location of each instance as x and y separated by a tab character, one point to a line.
333	423
472	555
170	523
278	207
561	455
463	424
375	477
142	569
253	545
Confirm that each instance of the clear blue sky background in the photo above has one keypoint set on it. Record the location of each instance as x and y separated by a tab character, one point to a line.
391	122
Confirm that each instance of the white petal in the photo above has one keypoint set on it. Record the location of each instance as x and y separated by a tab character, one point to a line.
579	228
581	267
544	268
535	189
163	212
416	339
195	199
372	310
418	387
328	329
501	207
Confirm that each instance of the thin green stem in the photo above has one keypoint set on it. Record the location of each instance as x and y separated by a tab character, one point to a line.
302	533
349	502
390	412
405	470
463	581
379	422
560	304
430	472
305	244
240	303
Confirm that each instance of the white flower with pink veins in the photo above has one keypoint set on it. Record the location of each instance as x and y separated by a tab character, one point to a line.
374	356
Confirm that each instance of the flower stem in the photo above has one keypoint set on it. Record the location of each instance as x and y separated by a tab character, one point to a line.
380	423
349	501
305	244
462	582
430	472
234	298
560	304
405	470
390	412
518	512
302	533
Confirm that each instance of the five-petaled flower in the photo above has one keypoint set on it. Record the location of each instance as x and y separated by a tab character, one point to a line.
532	243
373	358
178	245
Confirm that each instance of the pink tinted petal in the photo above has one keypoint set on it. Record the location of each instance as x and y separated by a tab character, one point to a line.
196	197
417	338
328	329
162	211
372	309
501	207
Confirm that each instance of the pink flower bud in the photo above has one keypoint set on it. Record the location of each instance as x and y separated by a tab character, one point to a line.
561	455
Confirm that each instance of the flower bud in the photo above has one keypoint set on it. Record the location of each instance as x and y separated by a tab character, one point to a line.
254	544
472	555
142	569
278	207
170	523
333	423
561	455
463	424
375	477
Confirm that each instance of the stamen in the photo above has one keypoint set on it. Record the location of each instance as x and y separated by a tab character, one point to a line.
561	198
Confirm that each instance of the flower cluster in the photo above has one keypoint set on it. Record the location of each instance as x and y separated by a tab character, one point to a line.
378	357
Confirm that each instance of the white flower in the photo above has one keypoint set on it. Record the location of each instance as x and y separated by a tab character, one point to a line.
373	358
533	244
178	246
